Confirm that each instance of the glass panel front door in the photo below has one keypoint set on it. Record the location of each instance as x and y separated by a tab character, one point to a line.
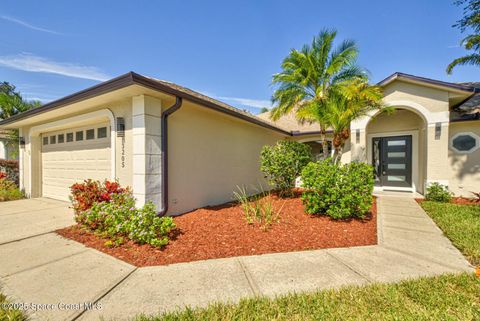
392	161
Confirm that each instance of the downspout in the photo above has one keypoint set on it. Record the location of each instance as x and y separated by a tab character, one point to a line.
164	149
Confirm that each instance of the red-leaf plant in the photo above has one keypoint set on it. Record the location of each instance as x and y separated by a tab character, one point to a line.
90	191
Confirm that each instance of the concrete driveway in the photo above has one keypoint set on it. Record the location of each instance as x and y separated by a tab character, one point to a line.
39	267
31	217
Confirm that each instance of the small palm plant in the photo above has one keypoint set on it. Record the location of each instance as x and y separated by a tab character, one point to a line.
309	76
355	99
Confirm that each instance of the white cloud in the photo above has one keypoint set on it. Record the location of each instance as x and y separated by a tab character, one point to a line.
32	63
249	102
29	26
257	103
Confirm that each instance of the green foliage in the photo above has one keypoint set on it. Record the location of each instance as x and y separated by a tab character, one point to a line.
258	208
8	312
471	22
11	101
310	75
9	190
461	224
339	191
438	193
116	217
283	163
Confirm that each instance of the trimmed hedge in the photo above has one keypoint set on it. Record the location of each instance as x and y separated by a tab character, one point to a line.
339	191
283	162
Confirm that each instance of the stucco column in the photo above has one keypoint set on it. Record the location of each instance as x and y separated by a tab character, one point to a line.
146	125
437	167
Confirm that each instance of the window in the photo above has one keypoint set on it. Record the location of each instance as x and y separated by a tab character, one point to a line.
465	142
69	137
45	140
53	140
79	136
102	132
61	138
90	134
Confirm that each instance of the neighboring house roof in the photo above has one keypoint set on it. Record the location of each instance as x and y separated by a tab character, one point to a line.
290	122
470	108
132	78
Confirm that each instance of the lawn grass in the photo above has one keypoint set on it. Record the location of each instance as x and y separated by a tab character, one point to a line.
461	224
9	314
446	297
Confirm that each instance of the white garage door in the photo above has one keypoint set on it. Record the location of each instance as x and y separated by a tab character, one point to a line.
73	155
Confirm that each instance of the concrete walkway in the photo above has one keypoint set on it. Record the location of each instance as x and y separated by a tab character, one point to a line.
51	269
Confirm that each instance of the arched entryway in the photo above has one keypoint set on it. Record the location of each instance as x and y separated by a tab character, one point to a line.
396	147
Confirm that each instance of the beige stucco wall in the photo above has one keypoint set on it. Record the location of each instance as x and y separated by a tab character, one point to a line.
210	154
464	169
434	100
30	156
431	105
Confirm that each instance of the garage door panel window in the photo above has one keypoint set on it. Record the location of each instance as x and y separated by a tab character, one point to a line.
45	140
90	134
102	132
53	140
85	153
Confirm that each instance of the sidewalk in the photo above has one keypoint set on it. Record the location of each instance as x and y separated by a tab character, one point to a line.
410	245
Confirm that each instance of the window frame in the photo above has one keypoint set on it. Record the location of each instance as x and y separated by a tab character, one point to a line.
473	135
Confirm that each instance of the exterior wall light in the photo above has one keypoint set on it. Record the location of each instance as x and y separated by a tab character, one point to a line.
438	131
120	127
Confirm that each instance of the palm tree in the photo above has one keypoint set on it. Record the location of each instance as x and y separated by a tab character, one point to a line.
471	42
353	100
309	76
470	21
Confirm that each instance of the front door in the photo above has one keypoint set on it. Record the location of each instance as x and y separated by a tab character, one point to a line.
392	160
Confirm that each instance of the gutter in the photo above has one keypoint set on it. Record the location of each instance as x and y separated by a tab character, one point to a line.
164	149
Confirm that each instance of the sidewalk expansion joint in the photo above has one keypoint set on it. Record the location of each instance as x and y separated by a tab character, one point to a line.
351	268
251	282
27	237
46	263
425	259
106	292
413	230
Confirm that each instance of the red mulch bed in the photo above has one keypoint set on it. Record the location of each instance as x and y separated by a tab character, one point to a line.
221	231
457	200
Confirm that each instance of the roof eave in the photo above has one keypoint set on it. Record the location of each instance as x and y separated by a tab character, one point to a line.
428	81
128	79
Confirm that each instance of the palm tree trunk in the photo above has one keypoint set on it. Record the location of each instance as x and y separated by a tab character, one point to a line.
323	139
338	154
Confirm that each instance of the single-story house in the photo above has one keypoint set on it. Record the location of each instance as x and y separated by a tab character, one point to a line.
8	147
183	150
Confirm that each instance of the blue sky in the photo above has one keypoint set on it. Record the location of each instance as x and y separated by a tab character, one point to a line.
226	49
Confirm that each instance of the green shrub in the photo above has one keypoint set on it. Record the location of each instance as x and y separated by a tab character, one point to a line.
116	217
9	190
283	163
438	193
339	191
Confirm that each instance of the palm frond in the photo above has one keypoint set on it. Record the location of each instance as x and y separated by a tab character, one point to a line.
473	59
